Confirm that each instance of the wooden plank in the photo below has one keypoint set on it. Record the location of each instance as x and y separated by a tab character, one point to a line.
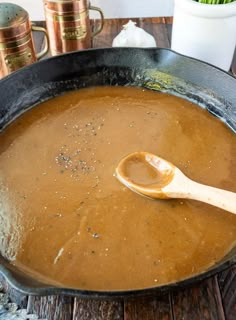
51	307
158	29
169	22
199	302
97	310
104	39
15	296
149	309
227	283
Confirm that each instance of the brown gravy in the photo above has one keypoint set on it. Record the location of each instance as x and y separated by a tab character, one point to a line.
65	217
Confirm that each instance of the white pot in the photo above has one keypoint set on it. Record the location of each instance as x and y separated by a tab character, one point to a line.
205	31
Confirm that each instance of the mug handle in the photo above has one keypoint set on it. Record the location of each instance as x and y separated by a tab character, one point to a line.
99	29
44	51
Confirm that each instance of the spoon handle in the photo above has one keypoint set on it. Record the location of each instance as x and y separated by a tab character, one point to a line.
223	199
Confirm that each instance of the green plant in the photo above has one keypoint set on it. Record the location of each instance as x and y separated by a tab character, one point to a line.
215	1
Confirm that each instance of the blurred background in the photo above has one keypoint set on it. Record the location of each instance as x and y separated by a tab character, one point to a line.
111	8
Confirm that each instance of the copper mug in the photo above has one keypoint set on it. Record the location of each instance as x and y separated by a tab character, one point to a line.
16	42
68	25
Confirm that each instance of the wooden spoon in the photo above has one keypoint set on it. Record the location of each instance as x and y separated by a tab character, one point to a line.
154	177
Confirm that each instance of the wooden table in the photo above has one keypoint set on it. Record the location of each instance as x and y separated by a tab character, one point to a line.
214	298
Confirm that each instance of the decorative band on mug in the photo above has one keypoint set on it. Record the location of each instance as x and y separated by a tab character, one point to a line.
14	44
68	18
18	60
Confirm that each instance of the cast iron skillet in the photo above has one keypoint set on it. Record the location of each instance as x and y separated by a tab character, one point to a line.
157	69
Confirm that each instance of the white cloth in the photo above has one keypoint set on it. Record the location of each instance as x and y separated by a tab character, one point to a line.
132	36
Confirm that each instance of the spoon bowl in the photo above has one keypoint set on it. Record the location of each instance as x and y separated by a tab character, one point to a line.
155	172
